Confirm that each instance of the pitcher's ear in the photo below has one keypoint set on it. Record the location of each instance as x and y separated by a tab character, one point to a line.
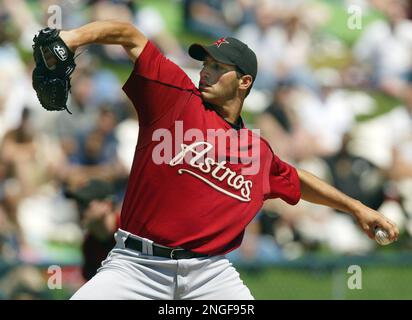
245	82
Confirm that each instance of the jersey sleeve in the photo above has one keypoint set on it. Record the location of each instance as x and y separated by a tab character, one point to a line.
284	181
156	85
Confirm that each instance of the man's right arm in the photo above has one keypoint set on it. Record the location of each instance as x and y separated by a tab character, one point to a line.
107	32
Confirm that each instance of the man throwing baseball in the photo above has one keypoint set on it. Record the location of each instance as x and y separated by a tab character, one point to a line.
191	193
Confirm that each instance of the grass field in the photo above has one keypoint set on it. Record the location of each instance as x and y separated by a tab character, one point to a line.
281	283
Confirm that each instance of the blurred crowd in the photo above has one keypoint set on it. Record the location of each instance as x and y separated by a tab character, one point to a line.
312	88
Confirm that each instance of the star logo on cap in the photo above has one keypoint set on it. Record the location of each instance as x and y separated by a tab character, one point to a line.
219	42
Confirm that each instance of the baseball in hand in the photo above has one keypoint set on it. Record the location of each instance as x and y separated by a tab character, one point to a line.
382	237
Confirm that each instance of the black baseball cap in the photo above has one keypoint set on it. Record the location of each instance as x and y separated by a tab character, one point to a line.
228	51
94	190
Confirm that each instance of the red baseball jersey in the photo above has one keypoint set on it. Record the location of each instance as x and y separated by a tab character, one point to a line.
195	181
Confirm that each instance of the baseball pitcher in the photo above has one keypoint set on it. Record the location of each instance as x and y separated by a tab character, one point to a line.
198	177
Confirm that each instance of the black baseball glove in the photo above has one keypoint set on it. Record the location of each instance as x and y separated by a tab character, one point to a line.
54	65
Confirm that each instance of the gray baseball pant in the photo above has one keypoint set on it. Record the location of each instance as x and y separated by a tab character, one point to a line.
131	275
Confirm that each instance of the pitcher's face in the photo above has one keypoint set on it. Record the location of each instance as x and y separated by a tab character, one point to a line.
218	82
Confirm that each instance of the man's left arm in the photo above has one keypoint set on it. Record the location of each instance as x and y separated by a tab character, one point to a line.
318	191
